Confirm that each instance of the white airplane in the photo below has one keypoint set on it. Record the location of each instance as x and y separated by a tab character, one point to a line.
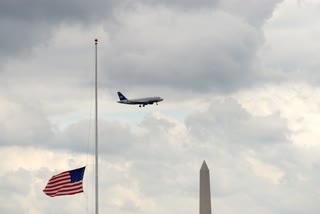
141	101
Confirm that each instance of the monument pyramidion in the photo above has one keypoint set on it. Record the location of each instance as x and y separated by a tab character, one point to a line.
205	196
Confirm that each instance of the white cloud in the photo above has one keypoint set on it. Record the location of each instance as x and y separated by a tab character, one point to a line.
291	42
297	102
266	170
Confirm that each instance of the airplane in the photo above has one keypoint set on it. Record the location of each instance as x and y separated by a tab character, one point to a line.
141	101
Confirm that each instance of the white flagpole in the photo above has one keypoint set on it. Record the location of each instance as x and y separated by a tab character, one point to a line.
96	134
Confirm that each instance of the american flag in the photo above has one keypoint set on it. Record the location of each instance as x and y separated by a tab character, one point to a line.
65	183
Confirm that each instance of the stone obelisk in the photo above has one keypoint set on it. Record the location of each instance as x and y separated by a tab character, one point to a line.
205	196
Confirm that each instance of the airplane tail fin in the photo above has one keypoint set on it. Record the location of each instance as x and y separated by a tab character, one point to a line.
121	96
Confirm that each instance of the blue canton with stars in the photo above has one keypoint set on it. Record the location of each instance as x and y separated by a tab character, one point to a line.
77	174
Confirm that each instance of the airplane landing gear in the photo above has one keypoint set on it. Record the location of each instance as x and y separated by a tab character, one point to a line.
140	106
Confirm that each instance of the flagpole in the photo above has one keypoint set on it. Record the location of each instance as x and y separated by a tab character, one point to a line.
96	131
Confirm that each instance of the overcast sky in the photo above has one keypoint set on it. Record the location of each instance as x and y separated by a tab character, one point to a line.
240	82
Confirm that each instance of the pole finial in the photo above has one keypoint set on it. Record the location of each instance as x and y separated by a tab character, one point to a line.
96	40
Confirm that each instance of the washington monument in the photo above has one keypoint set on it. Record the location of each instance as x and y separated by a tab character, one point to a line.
205	196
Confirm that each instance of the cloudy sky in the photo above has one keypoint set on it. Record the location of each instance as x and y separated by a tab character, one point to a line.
240	81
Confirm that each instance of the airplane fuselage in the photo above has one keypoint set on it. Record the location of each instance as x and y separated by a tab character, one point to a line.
141	101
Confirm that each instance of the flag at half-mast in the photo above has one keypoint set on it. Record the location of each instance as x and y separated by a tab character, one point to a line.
65	183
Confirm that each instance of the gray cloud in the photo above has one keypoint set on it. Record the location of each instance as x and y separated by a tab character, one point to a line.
212	50
182	4
253	12
23	123
228	122
28	24
48	11
114	137
20	36
211	47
